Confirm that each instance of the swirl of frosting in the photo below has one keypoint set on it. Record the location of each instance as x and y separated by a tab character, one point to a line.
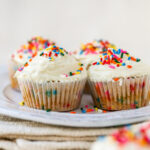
52	64
114	64
90	51
31	49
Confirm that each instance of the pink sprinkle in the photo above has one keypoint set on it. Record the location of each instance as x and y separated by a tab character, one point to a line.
111	66
122	51
92	110
86	106
66	75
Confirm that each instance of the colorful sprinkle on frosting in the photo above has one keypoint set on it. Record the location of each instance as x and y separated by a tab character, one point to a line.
32	47
115	58
95	47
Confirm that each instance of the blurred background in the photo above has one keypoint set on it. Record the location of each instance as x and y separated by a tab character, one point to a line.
125	23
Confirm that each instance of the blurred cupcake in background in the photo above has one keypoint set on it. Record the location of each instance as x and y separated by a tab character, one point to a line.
52	80
25	53
119	81
135	137
90	51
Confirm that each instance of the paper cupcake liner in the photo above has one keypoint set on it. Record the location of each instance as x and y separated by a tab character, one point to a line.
124	94
13	67
87	88
56	96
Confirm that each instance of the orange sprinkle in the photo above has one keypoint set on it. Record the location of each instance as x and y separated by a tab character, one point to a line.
132	58
73	112
129	66
89	110
30	60
104	111
20	56
26	65
115	79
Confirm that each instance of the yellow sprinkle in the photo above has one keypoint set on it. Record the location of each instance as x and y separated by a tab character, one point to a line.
96	109
21	103
83	46
77	72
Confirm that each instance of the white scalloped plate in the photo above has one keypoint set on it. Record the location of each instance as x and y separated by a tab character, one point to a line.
9	105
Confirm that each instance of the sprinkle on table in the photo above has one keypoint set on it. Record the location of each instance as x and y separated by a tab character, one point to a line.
21	103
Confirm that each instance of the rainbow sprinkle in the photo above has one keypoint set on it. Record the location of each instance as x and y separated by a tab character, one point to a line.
95	47
34	45
114	58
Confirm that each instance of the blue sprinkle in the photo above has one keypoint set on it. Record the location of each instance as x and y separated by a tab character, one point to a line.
101	138
98	99
129	58
60	48
114	51
54	92
128	126
78	70
54	46
29	57
119	51
97	63
83	111
104	54
123	64
81	52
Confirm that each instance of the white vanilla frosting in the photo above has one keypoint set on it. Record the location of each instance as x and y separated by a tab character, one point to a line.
105	73
54	68
87	59
22	57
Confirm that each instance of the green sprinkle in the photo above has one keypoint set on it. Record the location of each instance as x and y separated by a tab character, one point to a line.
48	110
70	73
48	93
41	54
62	54
137	60
122	55
42	107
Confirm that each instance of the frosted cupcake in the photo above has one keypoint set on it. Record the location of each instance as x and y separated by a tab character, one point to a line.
26	52
119	81
53	80
135	137
90	51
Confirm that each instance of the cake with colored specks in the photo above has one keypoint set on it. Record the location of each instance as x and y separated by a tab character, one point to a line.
26	52
136	137
119	81
52	80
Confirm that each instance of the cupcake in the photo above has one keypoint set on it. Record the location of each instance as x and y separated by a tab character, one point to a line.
52	80
136	137
26	52
119	81
90	52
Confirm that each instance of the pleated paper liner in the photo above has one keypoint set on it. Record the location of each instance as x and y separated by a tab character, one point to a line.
13	67
126	93
56	96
